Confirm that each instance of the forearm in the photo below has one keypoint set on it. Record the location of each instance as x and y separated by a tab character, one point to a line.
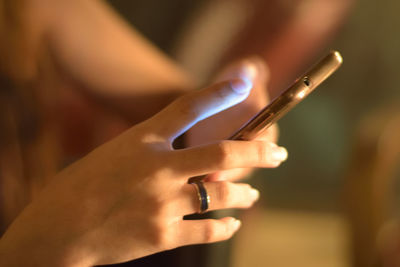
110	60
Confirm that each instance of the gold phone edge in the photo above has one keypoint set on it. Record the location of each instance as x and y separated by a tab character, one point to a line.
301	88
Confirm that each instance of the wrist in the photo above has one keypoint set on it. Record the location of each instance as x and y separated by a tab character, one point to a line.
42	251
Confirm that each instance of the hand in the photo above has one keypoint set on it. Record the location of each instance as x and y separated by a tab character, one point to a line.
224	124
127	198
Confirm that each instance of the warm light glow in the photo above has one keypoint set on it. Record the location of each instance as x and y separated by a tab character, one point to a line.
301	94
339	57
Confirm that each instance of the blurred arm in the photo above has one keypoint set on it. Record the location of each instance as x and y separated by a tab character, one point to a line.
108	58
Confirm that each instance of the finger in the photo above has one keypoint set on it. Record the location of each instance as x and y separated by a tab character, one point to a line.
227	155
207	231
259	97
223	195
270	135
236	69
229	175
194	107
257	71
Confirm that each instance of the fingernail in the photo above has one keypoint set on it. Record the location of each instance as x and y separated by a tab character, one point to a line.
241	86
255	194
236	225
279	153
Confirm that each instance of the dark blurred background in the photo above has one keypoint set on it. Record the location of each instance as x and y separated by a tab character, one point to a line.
302	218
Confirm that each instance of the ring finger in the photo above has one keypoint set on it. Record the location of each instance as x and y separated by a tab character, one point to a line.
222	195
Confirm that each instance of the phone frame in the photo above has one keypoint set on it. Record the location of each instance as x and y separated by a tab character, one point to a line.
289	98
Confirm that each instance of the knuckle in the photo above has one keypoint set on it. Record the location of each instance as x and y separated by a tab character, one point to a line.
261	152
161	236
158	208
223	193
222	93
223	153
160	230
155	204
186	107
210	232
162	210
163	233
164	170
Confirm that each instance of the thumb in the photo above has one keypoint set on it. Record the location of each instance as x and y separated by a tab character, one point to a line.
189	109
250	68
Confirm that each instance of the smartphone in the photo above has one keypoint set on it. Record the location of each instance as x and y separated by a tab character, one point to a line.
289	98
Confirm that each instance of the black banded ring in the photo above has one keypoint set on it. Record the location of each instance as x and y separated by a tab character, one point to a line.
204	198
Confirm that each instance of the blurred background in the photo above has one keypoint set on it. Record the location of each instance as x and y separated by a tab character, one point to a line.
334	202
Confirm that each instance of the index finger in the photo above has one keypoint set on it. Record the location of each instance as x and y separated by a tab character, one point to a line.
186	111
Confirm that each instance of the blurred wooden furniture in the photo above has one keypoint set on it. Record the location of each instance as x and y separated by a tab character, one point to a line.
369	186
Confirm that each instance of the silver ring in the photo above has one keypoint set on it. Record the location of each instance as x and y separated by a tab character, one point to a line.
204	198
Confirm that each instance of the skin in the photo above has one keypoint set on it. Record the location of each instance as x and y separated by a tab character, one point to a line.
93	97
210	129
126	199
99	86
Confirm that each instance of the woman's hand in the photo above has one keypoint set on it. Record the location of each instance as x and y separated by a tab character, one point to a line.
224	124
127	198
